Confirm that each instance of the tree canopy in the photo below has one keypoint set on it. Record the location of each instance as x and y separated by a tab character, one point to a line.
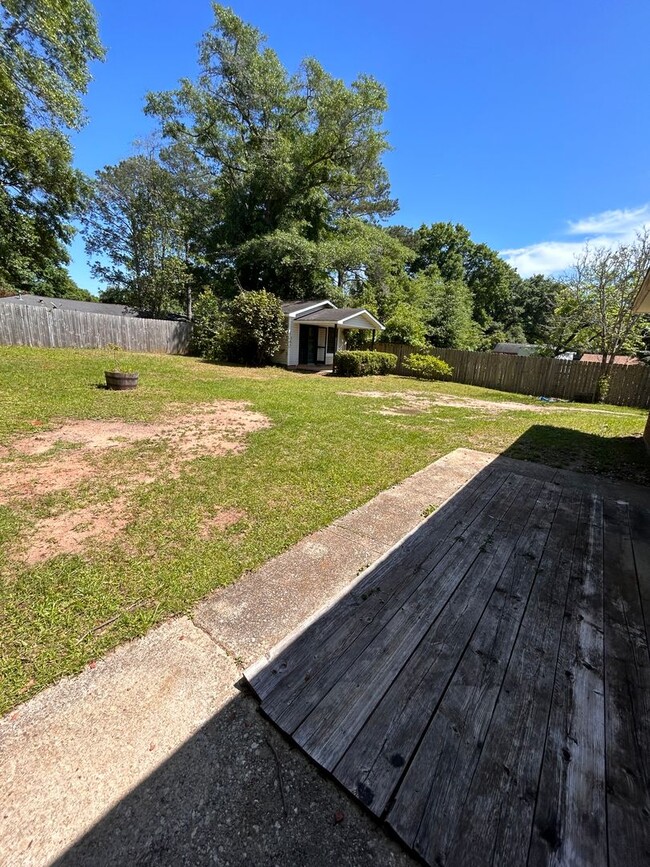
294	159
458	258
140	226
46	47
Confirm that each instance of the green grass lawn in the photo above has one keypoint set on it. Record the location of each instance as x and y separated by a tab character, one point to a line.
323	454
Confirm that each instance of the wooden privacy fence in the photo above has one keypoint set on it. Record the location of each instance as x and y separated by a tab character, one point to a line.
548	377
39	326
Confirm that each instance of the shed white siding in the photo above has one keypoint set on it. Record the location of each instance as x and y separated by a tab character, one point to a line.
324	316
294	342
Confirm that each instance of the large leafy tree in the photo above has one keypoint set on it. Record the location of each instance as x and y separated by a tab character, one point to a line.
293	157
535	300
45	50
458	258
139	227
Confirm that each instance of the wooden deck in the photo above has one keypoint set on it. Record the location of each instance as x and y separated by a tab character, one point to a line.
485	689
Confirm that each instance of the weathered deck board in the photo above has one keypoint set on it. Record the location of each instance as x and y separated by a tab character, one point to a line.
375	761
640	534
460	730
310	677
485	690
570	817
328	730
498	810
627	698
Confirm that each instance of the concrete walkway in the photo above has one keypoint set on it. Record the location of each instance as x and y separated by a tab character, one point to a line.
153	756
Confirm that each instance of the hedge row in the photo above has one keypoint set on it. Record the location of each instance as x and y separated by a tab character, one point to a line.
357	363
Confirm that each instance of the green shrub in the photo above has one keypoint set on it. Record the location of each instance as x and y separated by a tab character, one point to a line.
208	327
248	329
428	366
258	326
358	363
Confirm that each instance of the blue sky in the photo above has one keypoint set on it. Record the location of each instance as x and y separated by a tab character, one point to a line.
528	122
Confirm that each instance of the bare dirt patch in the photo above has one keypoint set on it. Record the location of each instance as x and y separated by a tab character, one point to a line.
19	481
221	521
71	532
414	402
213	429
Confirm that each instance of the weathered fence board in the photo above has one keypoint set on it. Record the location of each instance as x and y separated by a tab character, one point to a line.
550	377
46	327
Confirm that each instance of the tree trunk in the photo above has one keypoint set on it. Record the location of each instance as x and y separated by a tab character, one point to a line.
604	373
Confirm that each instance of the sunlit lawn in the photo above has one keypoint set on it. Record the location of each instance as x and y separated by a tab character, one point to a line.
323	454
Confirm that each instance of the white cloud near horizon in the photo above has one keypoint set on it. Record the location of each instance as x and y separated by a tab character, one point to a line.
600	230
618	222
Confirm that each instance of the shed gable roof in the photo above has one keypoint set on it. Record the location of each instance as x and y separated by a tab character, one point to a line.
339	316
295	308
642	300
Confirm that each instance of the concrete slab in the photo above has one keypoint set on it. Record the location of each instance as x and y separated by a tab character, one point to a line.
257	611
235	794
154	757
79	747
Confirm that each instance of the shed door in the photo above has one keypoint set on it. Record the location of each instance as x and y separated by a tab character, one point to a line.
307	344
322	346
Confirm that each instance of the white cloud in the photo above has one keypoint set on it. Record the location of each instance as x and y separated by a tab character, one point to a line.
600	230
617	222
549	257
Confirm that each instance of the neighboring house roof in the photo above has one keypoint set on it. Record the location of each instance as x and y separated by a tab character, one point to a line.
293	308
515	348
596	358
642	300
80	306
69	304
339	316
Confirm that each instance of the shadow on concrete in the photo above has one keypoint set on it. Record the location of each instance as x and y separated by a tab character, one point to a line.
236	793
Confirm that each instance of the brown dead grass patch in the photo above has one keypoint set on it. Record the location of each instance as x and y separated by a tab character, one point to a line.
221	521
71	532
213	429
414	402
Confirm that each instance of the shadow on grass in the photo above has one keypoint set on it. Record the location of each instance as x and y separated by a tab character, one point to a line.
623	458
